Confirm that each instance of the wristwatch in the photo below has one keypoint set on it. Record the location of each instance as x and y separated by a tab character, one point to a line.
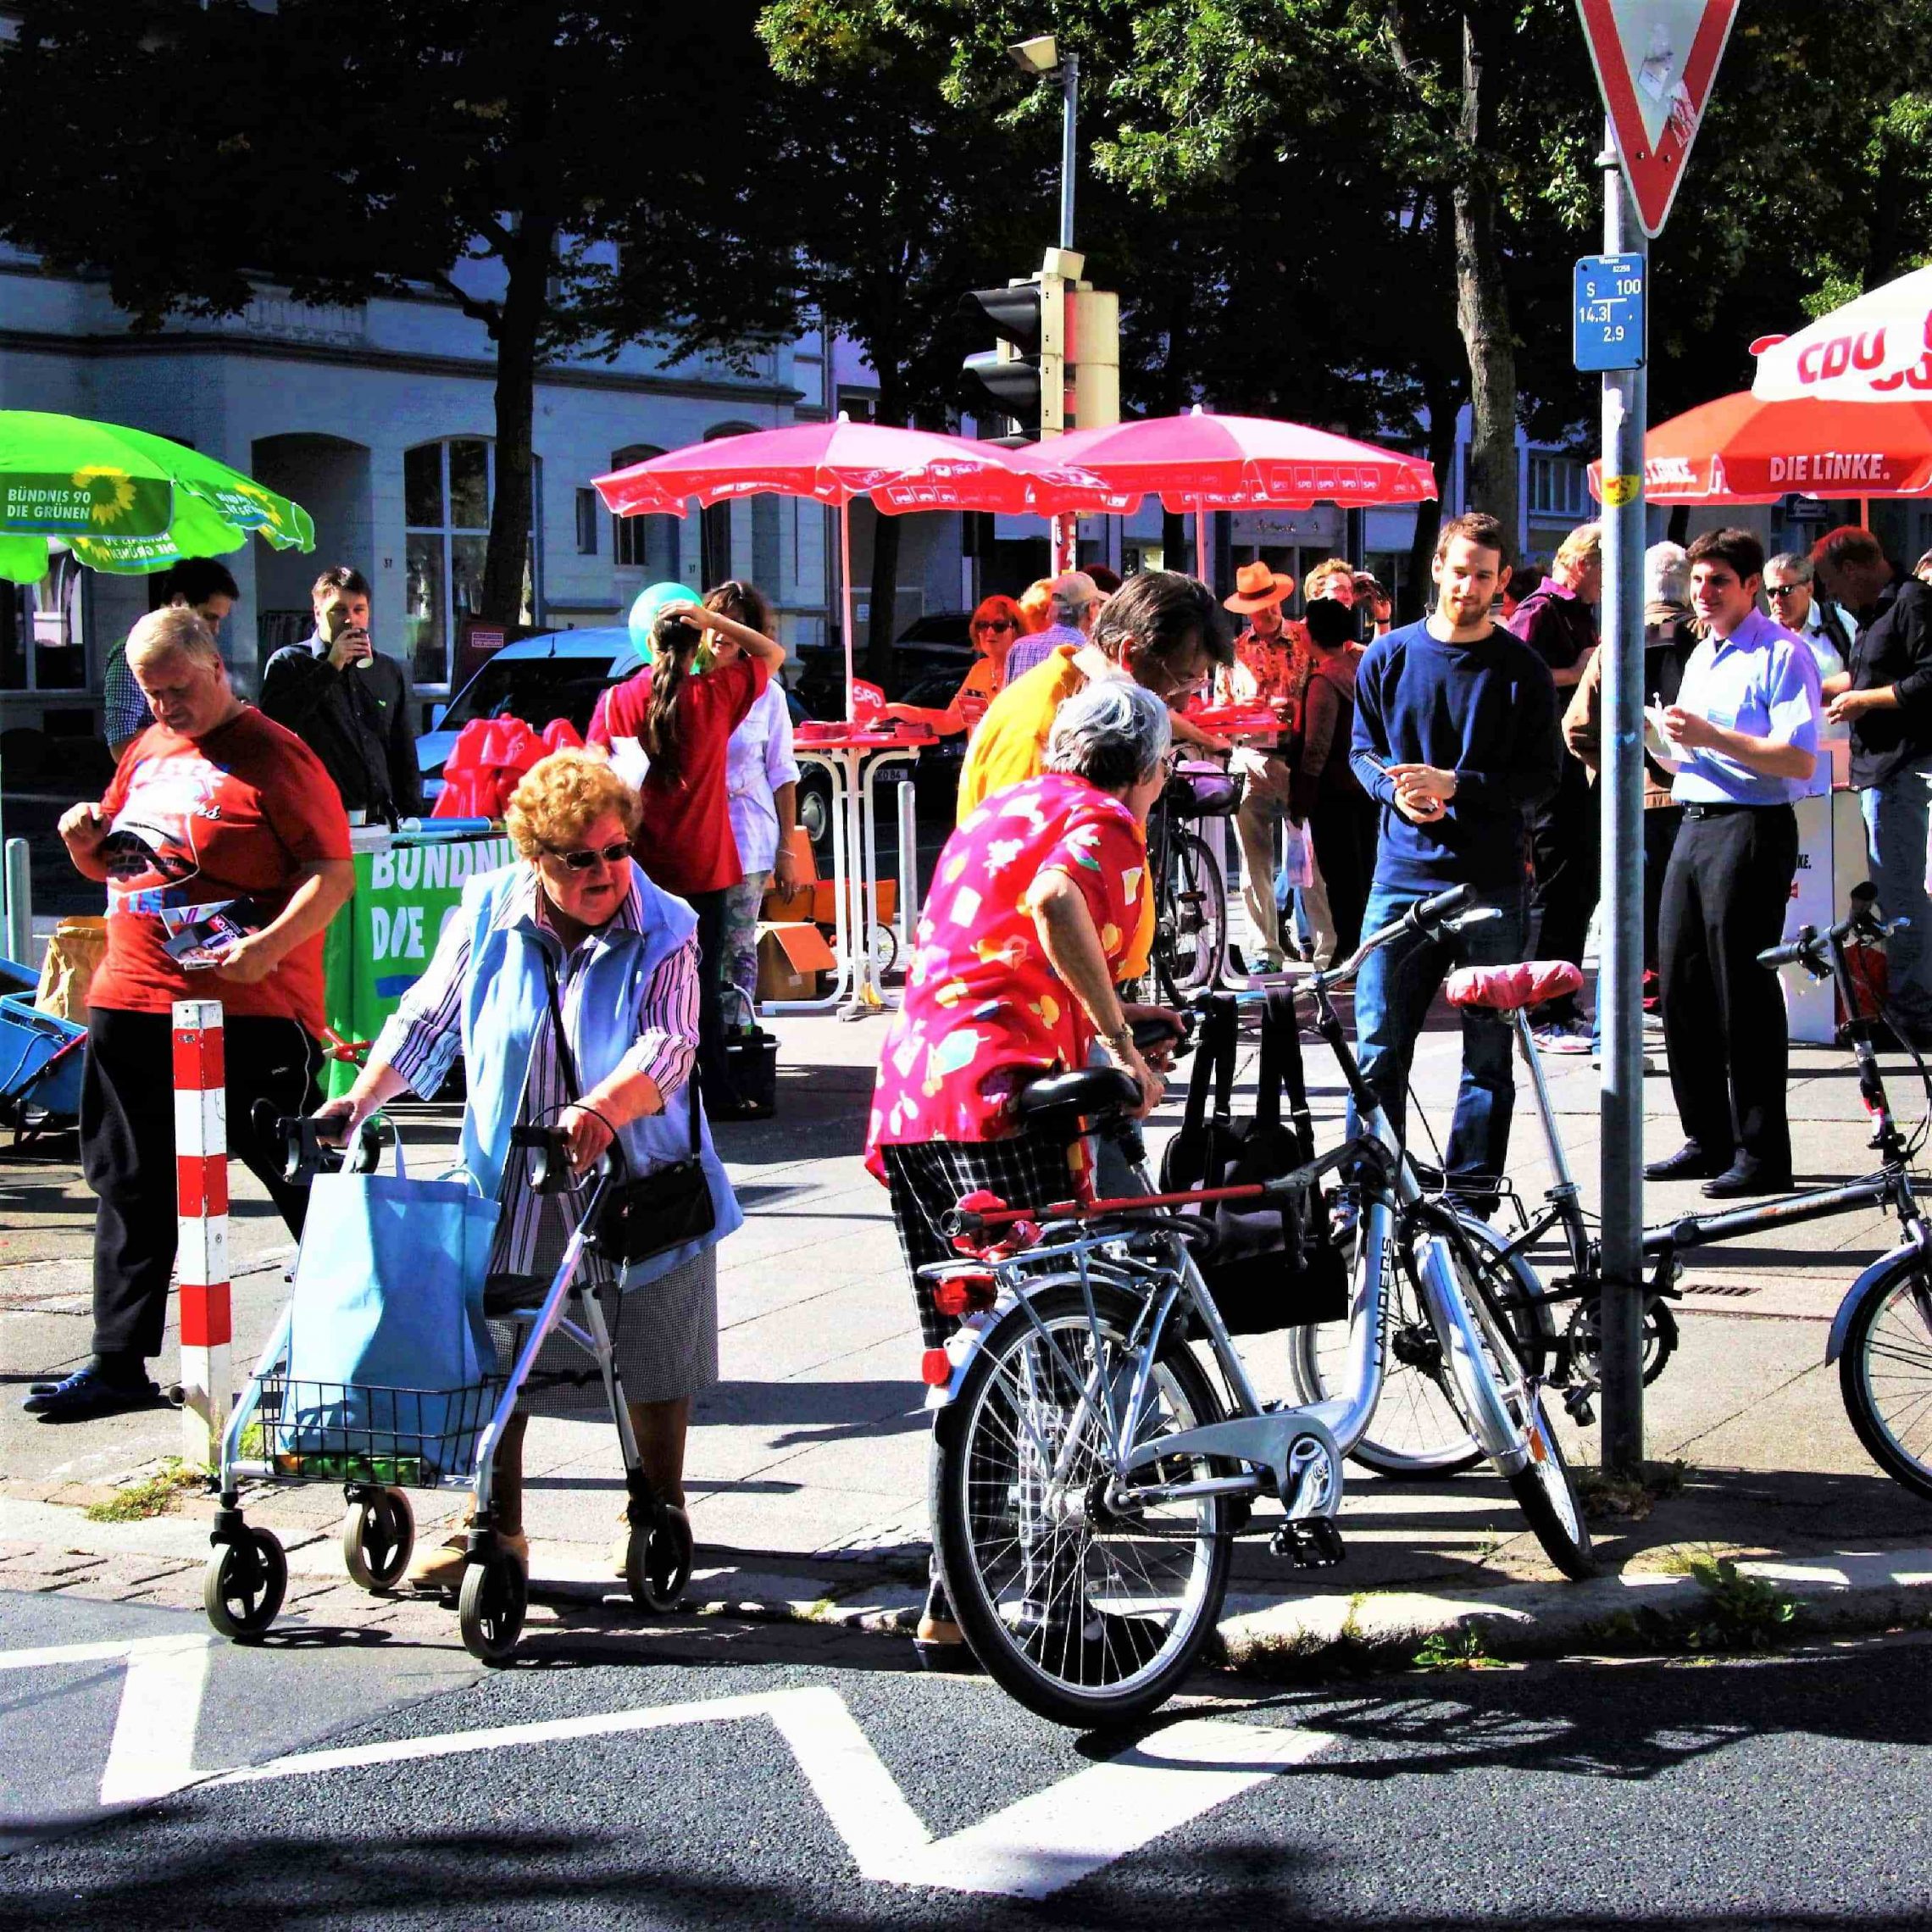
1121	1039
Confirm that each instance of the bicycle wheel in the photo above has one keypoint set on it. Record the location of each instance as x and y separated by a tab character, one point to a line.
1885	1375
1087	1614
1418	1429
1196	908
1495	1386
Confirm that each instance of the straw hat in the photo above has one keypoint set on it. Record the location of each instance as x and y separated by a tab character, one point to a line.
1256	587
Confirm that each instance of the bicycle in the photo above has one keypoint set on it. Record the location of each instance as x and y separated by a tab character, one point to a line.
1089	1474
1190	892
1872	1326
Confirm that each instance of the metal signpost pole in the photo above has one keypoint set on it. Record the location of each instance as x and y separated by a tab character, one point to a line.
1620	984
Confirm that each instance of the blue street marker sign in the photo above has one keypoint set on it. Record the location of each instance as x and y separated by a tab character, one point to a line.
1608	312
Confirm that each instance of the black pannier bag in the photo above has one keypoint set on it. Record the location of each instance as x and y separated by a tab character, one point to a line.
1270	1267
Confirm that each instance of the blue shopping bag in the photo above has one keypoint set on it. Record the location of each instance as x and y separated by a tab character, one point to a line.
388	1351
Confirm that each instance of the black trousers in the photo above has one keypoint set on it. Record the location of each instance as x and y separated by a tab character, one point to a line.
127	1153
1726	892
1343	827
713	1068
1564	836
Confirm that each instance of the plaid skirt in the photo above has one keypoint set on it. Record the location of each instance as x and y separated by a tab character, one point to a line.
927	1180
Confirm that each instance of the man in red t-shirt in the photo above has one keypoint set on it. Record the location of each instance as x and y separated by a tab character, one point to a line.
226	852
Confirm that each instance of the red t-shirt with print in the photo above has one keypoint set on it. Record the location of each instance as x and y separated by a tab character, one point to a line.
685	842
983	1009
236	813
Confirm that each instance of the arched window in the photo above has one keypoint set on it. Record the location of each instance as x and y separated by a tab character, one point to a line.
649	544
448	488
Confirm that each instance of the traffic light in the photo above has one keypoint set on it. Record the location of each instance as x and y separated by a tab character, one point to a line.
1024	377
1057	365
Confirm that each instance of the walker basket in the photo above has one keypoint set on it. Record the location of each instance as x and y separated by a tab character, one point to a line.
337	1432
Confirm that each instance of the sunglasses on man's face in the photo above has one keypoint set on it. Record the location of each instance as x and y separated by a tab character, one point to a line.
583	859
1784	589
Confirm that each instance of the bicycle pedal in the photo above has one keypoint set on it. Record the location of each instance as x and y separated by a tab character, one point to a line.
1313	1545
1582	1410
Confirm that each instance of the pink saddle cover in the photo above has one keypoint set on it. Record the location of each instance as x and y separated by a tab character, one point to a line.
1504	989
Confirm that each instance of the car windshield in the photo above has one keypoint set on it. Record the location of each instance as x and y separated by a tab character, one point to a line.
537	690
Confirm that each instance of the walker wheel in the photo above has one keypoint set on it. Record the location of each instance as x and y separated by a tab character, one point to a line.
658	1564
243	1586
490	1608
379	1535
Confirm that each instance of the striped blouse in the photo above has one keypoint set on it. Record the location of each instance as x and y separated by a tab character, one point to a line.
665	1048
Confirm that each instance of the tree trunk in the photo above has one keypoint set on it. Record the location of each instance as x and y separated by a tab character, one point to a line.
1482	306
517	329
1443	399
881	626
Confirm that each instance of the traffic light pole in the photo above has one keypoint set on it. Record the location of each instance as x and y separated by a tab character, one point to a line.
1069	156
1620	984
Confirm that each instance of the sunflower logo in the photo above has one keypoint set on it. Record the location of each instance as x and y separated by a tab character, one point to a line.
110	490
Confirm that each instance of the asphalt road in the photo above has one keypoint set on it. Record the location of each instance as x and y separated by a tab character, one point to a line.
640	1779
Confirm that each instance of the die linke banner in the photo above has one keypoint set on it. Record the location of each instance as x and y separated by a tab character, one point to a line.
1655	62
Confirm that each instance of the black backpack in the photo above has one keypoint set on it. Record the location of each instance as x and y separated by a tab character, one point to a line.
1270	1266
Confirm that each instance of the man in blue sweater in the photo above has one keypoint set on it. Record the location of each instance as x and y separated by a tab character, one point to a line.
1455	738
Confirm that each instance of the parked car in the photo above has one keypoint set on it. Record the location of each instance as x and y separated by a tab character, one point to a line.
541	680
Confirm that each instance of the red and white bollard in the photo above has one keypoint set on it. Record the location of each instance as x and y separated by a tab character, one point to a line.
200	1179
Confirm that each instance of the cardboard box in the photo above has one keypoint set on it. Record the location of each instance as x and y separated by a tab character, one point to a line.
885	902
790	958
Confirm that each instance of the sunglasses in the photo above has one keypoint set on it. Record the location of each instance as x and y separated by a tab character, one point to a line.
582	861
1784	589
996	624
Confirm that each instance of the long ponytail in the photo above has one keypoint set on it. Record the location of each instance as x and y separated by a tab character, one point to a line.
674	645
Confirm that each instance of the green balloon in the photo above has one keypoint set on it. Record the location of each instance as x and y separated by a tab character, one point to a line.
652	603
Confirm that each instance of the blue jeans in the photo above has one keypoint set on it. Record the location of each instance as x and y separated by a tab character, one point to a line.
1391	1002
1898	815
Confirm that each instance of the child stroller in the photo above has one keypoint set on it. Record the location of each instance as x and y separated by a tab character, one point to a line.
382	1441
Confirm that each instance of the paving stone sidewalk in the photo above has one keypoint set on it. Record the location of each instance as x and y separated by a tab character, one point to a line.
806	1463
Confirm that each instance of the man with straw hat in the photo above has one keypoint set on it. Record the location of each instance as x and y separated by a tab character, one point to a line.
1272	662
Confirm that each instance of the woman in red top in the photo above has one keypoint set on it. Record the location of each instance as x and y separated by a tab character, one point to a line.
224	849
1033	907
682	721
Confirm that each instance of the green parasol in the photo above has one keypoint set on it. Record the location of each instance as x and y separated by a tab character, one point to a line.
124	501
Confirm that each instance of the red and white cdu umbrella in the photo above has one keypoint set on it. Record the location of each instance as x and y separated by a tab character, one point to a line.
901	470
1741	449
1876	349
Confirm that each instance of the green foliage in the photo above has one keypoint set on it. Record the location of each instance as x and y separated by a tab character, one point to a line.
1456	1650
1746	1612
153	1495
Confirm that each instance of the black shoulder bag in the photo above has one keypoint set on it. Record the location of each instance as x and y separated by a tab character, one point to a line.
1270	1266
652	1212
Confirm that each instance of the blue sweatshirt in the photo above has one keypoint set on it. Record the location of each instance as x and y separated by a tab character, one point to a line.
1485	710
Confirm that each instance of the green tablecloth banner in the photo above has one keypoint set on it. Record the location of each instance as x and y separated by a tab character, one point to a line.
378	945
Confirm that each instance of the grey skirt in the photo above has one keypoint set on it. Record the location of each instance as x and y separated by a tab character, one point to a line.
663	1340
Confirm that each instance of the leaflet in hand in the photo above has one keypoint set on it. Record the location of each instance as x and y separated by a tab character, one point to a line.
200	937
1658	744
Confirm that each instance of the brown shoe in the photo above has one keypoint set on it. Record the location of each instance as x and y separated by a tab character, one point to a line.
438	1572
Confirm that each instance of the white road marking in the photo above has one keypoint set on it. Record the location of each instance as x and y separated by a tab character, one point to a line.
1030	1849
153	1748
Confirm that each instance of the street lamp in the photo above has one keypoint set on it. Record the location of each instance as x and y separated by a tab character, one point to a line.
1040	56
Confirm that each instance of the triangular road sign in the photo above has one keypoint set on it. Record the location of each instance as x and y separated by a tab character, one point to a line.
1655	62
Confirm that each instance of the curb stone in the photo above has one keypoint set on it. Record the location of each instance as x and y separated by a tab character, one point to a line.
1847	1591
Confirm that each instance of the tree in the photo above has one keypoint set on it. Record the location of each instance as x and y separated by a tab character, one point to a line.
487	150
895	203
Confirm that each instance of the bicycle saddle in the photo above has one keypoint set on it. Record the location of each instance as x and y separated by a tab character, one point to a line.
1056	1103
1506	989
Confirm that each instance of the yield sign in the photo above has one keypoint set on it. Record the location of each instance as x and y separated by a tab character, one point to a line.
1655	61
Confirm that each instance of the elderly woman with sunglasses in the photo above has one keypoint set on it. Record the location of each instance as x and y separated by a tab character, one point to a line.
997	626
569	983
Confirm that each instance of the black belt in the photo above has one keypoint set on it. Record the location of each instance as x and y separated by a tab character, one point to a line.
1701	811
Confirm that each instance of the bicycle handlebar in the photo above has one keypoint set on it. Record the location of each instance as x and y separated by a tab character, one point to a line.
1812	949
1425	915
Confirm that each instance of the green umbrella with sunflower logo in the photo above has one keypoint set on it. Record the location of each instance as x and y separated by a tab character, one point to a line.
124	501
